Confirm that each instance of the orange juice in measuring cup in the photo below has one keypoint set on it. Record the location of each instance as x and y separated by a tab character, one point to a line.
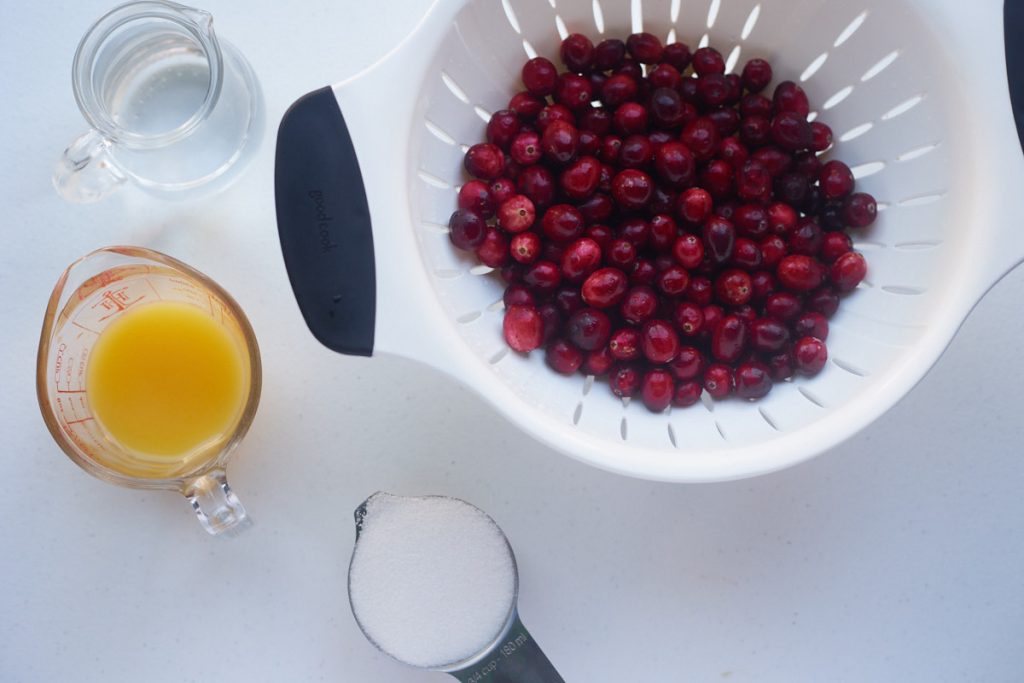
148	376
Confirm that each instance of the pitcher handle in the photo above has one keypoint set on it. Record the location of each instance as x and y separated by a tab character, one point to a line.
215	504
86	172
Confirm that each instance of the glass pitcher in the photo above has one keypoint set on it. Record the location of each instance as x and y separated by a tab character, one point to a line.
95	292
172	107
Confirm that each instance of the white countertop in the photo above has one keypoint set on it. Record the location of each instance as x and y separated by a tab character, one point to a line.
898	556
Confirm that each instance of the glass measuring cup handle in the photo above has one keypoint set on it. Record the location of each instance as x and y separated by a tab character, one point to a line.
215	504
515	659
86	172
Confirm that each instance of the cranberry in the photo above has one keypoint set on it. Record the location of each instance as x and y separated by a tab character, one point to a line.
568	300
502	128
821	136
792	188
674	281
791	131
700	291
811	324
539	76
601	234
834	244
751	220
644	48
573	91
782	218
577	52
666	107
688	364
523	328
598	362
631	68
525	105
712	89
551	113
719	238
625	381
824	300
713	315
624	344
589	329
596	208
762	283
580	258
636	152
806	238
782	305
746	313
733	287
859	210
512	274
636	230
733	151
622	254
657	389
476	196
516	214
708	60
559	141
630	118
493	250
753	181
466	229
664	76
756	130
552	318
543	277
831	216
800	273
659	341
590	144
809	355
608	54
757	74
774	159
485	161
848	271
525	148
756	105
563	357
537	183
729	339
618	90
701	136
790	97
753	380
807	164
835	179
562	223
688	250
814	202
694	205
517	295
663	230
689	318
716	178
773	248
746	254
678	55
780	365
605	287
525	247
595	120
580	179
718	380
687	393
611	145
632	189
734	85
639	305
768	335
644	272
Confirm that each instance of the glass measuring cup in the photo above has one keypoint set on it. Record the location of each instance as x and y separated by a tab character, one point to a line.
90	295
171	106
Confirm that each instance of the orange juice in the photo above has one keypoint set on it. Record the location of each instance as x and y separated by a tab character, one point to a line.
166	381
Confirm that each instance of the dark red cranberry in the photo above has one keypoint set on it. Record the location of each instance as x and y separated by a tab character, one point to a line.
831	216
713	315
502	128
792	188
630	67
580	259
589	329
678	55
563	357
746	313
657	389
783	306
632	189
645	48
700	291
716	178
630	118
605	182
712	89
639	305
811	324
780	365
526	106
539	76
824	300
466	229
659	341
821	136
644	272
568	300
543	277
598	362
537	183
523	328
755	130
596	208
624	344
791	131
485	161
687	393
733	151
601	234
611	145
551	113
708	60
674	281
621	254
560	141
636	152
475	195
608	54
753	380
859	210
694	205
701	136
757	74
746	254
734	85
790	97
580	179
525	247
733	288
666	108
596	120
688	364
562	223
751	220
806	238
768	335
688	250
762	283
512	274
689	318
518	295
814	202
774	159
618	90
573	91
605	287
552	318
664	76
625	381
493	250
834	244
718	380
729	339
782	218
753	182
835	179
550	251
658	138
663	232
719	238
636	230
773	248
525	148
809	355
688	90
800	273
848	271
756	105
577	52
807	164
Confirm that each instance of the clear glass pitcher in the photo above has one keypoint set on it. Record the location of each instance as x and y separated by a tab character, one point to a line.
93	293
172	107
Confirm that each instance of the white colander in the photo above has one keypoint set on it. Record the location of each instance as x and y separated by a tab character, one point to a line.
915	91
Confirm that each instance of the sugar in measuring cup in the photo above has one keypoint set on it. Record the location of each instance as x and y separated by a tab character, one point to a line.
148	376
433	583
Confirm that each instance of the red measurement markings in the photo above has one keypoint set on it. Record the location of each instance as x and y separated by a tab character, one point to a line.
114	301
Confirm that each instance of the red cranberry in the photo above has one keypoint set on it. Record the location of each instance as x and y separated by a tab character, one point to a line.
806	238
762	283
663	230
621	254
790	97
687	393
834	244
807	164
814	202
611	146
800	273
550	251
773	248
712	89
746	254
791	131
605	287
525	148
476	196
729	339
666	108
719	238
757	74
659	341
700	291
792	188
552	318
502	128
782	218
595	120
485	161
523	328
811	324
848	271
625	381
577	52
774	159
713	316
657	389
636	230
734	83
678	55
809	355
836	180
525	247
644	272
537	183
512	274
580	179
551	113
516	214
543	277
733	151
746	313
624	344
716	178
824	300
753	380
664	76
689	318
493	250
632	189
751	220
821	136
708	60
630	118
639	305
756	105
733	287
688	250
590	144
694	205
618	90
466	229
562	223
580	259
718	380
589	329
674	281
636	152
753	181
768	335
631	68
563	357
559	141
781	365
688	364
755	130
701	136
539	76
598	362
644	48
596	208
859	210
608	54
573	91
517	295
601	234
525	105
783	306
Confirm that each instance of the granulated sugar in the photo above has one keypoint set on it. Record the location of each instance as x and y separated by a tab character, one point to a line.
432	580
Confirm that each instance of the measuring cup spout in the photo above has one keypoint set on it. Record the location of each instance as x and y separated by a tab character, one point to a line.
86	172
215	504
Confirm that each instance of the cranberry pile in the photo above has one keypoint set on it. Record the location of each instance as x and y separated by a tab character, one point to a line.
663	223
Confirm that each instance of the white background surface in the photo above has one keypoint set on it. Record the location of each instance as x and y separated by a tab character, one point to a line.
898	556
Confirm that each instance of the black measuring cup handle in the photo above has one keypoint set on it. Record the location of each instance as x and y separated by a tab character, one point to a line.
323	221
515	659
